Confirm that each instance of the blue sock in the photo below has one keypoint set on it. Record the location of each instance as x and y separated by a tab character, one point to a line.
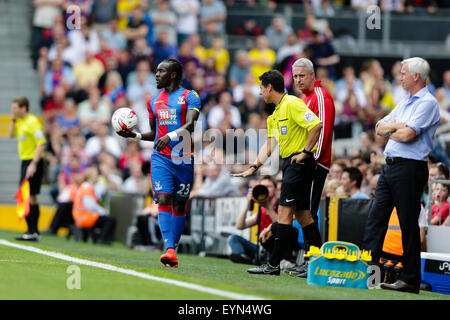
178	221
164	220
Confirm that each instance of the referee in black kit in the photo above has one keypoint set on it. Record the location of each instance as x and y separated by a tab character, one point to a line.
410	128
296	129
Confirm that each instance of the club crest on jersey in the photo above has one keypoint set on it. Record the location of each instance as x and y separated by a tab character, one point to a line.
167	116
284	130
181	100
158	185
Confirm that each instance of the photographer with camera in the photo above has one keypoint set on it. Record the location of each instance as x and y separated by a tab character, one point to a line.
263	193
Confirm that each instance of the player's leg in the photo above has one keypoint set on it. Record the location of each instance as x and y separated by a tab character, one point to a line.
184	177
162	182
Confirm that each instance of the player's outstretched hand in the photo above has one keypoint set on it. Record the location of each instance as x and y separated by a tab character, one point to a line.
162	142
126	134
247	173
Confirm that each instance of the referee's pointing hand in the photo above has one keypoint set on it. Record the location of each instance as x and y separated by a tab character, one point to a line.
249	172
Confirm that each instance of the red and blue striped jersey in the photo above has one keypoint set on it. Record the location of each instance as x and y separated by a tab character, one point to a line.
169	110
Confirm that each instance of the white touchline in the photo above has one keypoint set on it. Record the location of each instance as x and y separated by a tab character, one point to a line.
57	255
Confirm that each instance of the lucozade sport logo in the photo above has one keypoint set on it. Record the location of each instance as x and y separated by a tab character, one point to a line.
338	276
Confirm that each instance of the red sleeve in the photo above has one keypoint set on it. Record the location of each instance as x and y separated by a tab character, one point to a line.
151	115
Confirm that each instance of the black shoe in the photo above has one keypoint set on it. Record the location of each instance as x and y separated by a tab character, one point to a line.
300	271
265	269
400	285
29	237
240	258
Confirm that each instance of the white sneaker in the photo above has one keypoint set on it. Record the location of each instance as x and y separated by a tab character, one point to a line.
29	237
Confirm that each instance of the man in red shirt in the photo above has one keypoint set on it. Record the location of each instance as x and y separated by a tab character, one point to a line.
321	103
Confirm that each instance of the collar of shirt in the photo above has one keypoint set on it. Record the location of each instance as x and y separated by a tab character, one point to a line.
316	84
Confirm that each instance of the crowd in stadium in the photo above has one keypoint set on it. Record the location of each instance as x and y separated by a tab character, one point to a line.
107	61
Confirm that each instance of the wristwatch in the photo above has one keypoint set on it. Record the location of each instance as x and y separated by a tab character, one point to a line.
309	153
254	166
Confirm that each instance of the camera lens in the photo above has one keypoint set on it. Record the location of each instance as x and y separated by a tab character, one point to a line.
260	193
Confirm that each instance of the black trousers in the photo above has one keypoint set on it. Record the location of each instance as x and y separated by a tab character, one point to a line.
107	225
319	177
401	185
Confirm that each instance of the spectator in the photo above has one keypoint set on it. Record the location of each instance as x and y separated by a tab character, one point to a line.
54	77
145	86
330	189
419	6
85	39
249	28
131	153
249	86
88	72
239	69
68	118
397	90
164	19
114	88
197	49
148	227
163	49
220	55
446	84
139	25
242	250
54	105
109	173
136	183
114	37
224	115
440	206
323	53
336	169
84	6
102	141
249	106
93	111
45	12
262	58
278	32
291	47
111	67
187	18
125	10
217	182
105	52
87	211
62	49
323	8
351	181
103	11
212	11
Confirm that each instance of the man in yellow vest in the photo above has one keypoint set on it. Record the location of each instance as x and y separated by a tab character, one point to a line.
31	144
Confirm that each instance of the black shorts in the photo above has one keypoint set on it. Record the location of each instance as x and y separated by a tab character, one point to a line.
296	183
36	179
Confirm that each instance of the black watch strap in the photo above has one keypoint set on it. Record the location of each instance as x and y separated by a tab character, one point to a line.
254	166
309	153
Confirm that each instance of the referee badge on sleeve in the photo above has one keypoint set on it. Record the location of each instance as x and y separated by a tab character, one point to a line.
309	116
284	130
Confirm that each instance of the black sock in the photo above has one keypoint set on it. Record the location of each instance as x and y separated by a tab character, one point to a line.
32	218
281	244
312	237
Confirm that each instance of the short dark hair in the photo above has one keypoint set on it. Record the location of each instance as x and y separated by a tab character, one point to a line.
355	175
175	66
22	102
268	177
273	77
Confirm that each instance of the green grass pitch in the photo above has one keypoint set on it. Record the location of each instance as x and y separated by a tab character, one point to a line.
29	275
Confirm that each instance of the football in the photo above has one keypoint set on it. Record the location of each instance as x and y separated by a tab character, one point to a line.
124	119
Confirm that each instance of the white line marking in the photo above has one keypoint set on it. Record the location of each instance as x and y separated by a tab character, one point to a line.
61	256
